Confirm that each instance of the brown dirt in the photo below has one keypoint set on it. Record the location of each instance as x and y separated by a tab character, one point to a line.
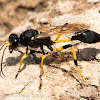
61	79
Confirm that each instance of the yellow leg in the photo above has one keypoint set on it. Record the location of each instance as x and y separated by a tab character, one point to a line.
63	47
75	61
74	57
66	40
21	61
58	36
43	57
58	49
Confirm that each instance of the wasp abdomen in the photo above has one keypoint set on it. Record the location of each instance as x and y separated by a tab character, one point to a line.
86	36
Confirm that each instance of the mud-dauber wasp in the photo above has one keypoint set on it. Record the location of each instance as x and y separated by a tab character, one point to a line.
33	38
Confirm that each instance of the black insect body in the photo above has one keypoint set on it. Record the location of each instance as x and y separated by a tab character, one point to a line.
86	36
25	39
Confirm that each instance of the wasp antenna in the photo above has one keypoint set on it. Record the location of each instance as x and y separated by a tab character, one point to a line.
2	46
2	61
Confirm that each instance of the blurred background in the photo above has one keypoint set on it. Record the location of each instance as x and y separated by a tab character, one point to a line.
19	15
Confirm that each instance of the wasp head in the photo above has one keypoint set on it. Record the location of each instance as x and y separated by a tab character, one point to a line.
13	42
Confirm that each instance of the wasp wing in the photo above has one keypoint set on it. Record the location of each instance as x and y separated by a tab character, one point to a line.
64	29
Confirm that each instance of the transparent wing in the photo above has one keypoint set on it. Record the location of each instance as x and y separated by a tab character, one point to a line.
64	29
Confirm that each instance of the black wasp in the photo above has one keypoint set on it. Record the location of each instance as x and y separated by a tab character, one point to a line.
33	38
28	39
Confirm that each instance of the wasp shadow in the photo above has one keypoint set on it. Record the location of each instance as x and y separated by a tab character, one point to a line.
84	54
87	54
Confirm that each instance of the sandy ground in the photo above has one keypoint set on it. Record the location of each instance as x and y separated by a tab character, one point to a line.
61	79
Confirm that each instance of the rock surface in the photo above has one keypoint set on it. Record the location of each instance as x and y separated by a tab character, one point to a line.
61	79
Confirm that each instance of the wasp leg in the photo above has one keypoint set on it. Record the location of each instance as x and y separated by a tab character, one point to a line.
74	57
41	65
75	62
49	47
63	47
58	36
66	40
43	56
21	61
